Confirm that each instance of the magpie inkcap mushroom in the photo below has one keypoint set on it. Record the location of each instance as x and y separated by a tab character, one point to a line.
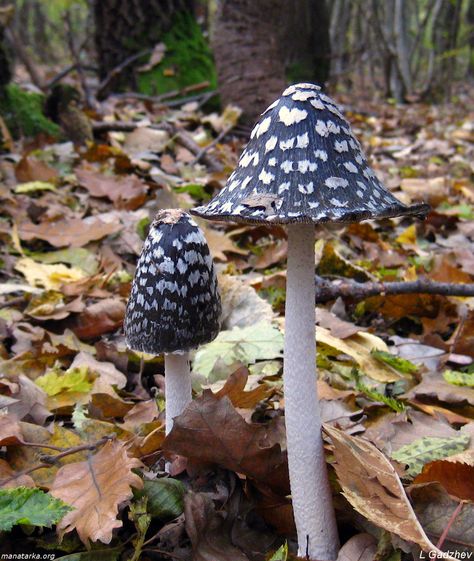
304	164
174	304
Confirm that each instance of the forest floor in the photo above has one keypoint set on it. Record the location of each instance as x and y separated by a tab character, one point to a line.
83	420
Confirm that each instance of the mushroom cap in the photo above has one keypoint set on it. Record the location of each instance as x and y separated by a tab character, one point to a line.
304	164
174	303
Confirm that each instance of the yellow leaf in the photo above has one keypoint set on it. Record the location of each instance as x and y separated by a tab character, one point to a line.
47	276
407	236
358	347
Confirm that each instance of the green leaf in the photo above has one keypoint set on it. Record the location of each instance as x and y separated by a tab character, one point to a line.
261	341
400	364
428	449
281	554
165	497
56	381
33	186
76	256
195	190
374	395
459	378
23	505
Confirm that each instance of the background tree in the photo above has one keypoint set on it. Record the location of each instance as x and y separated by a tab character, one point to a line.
259	46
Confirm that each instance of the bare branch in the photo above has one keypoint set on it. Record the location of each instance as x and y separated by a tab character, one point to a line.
330	290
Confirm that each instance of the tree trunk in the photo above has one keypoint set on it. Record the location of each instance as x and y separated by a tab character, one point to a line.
259	45
127	27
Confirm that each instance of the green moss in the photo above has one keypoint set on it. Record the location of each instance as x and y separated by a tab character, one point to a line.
188	60
23	113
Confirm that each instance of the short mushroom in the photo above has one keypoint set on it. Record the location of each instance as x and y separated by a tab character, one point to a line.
303	166
174	304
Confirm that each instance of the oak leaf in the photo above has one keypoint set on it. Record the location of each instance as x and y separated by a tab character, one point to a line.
96	488
371	485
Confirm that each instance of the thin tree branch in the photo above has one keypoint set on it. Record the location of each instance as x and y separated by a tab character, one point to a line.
330	290
118	70
49	460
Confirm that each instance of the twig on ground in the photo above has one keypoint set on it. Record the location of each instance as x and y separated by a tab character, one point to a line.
330	290
179	135
49	460
200	155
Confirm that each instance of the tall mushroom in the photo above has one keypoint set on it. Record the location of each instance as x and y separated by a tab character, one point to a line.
174	304
301	167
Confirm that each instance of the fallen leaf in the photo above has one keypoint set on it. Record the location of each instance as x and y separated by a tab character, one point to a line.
50	277
31	169
107	371
207	531
260	341
10	431
361	547
434	508
99	318
125	191
75	232
427	449
371	485
211	430
337	327
359	347
234	389
7	473
456	477
241	305
96	488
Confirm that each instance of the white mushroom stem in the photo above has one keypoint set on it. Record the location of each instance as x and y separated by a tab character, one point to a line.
310	490
178	392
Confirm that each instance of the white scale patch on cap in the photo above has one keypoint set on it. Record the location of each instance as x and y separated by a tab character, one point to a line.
306	189
350	167
271	143
335	182
302	140
306	165
338	203
284	187
265	177
317	104
287	144
287	166
303	96
248	158
291	116
341	146
321	154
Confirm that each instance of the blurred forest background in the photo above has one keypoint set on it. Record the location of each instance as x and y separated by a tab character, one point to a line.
403	50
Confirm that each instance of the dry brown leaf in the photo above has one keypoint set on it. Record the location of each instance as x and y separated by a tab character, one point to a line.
125	191
234	389
10	431
456	477
96	488
107	371
209	535
74	232
371	485
31	402
211	430
435	508
219	243
361	547
141	413
336	326
99	318
30	169
6	474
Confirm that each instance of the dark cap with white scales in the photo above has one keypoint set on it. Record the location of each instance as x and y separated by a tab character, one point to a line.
304	164
174	303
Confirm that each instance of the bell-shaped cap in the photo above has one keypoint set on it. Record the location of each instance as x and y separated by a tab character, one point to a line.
304	164
174	303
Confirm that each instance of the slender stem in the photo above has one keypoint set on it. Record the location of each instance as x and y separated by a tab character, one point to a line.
310	489
178	393
451	520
